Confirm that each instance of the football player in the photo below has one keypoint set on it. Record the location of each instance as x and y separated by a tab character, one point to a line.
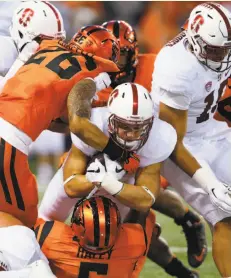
139	68
96	241
77	177
191	73
52	79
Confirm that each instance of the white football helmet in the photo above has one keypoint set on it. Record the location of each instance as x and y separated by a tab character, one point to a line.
209	34
131	109
33	19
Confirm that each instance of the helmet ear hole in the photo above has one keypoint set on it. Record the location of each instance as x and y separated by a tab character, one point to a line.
20	34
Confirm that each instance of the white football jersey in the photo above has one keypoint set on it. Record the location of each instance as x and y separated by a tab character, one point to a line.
8	54
159	146
182	82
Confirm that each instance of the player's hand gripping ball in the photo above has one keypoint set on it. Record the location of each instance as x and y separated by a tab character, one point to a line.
99	165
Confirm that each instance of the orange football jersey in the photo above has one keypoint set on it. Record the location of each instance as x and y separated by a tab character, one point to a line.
38	92
69	260
223	112
143	76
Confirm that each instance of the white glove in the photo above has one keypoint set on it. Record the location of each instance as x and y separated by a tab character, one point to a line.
221	197
29	49
114	168
102	81
218	191
95	171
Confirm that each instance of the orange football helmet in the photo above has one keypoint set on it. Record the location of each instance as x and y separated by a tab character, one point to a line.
126	36
98	41
95	223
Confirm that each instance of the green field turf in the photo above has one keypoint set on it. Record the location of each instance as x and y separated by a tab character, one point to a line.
173	234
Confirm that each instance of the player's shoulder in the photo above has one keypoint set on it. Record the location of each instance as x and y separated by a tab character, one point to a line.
49	44
99	116
54	229
160	144
8	54
175	58
134	229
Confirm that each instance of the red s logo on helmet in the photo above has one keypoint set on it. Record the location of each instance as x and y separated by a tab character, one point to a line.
197	22
26	17
114	94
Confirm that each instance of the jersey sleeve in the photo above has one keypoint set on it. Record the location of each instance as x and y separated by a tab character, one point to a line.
172	83
8	54
167	142
161	143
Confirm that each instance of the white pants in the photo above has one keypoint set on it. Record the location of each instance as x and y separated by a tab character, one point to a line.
216	154
56	205
19	247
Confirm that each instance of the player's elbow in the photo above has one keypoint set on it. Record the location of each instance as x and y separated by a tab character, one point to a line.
144	205
69	191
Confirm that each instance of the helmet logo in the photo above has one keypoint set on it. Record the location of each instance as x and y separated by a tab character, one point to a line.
208	86
197	22
26	17
114	94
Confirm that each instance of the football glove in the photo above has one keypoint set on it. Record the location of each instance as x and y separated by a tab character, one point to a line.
95	172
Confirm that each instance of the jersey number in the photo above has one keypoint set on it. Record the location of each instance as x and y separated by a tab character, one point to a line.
86	268
224	108
54	65
204	116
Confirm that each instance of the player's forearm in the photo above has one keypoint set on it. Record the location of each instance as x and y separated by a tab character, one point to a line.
78	187
79	99
79	111
135	197
88	133
183	158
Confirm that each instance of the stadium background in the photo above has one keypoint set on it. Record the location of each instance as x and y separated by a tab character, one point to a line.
156	23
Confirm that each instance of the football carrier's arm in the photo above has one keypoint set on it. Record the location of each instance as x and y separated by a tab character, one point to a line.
79	112
142	195
74	170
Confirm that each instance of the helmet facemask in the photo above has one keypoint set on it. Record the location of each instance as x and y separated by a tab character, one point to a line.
216	58
132	134
208	31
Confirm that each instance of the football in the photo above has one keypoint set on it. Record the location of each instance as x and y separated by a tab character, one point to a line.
100	157
113	167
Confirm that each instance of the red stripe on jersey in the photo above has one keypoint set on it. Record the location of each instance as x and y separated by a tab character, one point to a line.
226	20
56	15
135	100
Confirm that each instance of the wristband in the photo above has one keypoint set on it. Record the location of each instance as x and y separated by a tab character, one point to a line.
111	185
113	150
205	178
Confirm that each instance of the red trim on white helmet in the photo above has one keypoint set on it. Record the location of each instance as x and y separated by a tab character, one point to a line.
227	23
56	15
135	99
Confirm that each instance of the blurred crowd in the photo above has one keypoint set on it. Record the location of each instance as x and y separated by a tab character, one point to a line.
155	22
